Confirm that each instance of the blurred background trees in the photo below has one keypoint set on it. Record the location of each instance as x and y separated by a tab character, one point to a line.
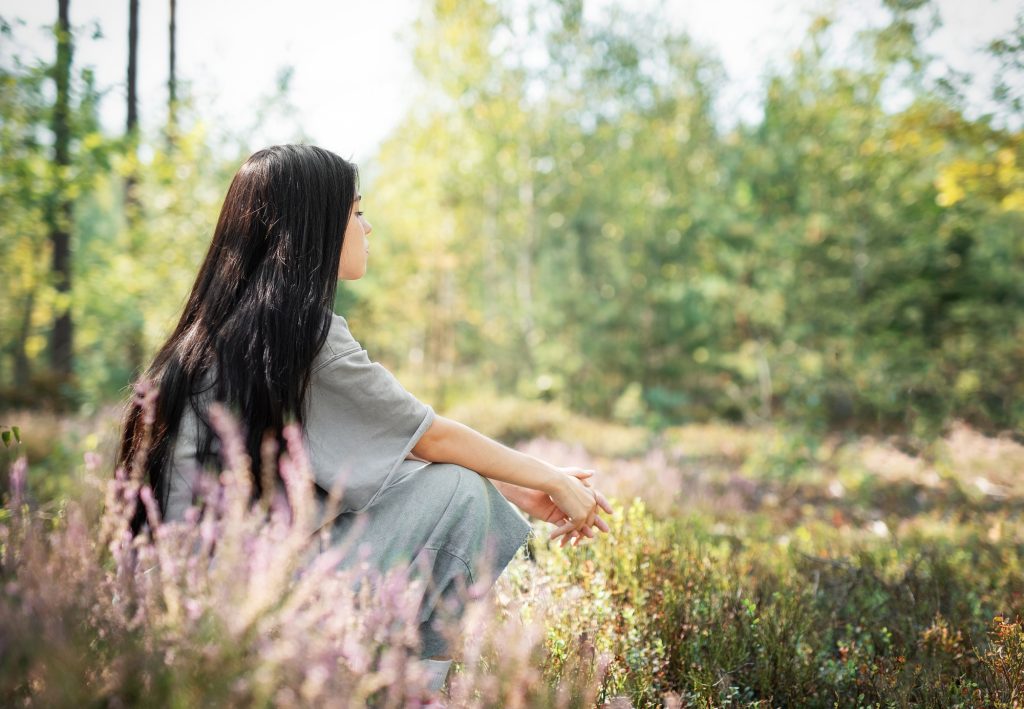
562	215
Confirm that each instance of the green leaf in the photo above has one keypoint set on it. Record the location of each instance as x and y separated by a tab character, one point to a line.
17	433
6	435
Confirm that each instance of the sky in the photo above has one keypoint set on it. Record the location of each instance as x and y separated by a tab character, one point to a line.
353	76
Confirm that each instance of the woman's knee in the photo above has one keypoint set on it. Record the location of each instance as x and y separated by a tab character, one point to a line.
471	489
458	482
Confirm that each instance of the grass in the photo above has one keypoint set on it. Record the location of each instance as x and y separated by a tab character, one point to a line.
745	568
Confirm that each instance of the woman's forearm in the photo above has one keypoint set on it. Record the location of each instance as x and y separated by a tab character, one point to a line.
511	492
448	441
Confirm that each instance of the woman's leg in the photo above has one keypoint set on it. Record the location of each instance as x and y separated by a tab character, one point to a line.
446	524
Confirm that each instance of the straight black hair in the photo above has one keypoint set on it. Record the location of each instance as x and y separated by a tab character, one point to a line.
258	313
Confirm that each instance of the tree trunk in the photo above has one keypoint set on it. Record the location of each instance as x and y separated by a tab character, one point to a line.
131	127
132	122
131	200
60	205
22	366
172	79
525	260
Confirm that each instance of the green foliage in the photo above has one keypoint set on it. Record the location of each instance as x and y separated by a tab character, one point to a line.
1005	659
788	603
152	259
9	434
580	227
565	217
513	421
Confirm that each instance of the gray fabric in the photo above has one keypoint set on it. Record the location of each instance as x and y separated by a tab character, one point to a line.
360	424
443	522
437	670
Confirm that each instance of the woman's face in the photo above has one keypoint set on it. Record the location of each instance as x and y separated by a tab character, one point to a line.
356	247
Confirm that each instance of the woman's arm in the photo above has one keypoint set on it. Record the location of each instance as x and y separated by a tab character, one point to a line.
448	441
516	494
511	492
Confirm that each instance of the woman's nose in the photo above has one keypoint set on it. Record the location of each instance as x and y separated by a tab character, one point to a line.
368	228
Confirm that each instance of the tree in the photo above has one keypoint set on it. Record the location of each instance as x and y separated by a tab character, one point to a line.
575	225
59	215
132	206
172	76
132	114
25	238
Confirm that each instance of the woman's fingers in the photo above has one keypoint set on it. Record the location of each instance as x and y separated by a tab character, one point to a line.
570	533
575	532
582	472
595	509
566	527
583	475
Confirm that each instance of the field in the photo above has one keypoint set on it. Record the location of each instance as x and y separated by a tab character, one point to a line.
745	567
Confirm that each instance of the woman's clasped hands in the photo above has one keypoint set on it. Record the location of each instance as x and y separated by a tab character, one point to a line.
572	503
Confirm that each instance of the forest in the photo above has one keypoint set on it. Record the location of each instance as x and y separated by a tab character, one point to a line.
795	344
581	231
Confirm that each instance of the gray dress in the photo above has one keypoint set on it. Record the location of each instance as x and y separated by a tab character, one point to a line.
440	521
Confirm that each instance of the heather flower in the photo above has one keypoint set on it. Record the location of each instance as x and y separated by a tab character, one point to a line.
18	472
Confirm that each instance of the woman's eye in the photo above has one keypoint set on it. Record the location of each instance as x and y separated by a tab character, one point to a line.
359	214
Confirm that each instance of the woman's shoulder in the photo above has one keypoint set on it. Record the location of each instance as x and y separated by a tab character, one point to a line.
339	342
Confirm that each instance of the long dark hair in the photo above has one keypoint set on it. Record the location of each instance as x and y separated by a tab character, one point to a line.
258	313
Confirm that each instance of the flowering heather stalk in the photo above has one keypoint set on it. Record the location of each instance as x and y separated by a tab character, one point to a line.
502	659
145	396
18	472
268	463
237	465
298	478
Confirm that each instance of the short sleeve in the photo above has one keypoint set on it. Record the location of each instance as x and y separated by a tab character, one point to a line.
361	423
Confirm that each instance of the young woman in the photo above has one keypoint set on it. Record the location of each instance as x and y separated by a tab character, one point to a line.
258	332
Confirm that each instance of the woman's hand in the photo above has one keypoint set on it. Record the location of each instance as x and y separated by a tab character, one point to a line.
575	499
575	489
539	504
573	537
